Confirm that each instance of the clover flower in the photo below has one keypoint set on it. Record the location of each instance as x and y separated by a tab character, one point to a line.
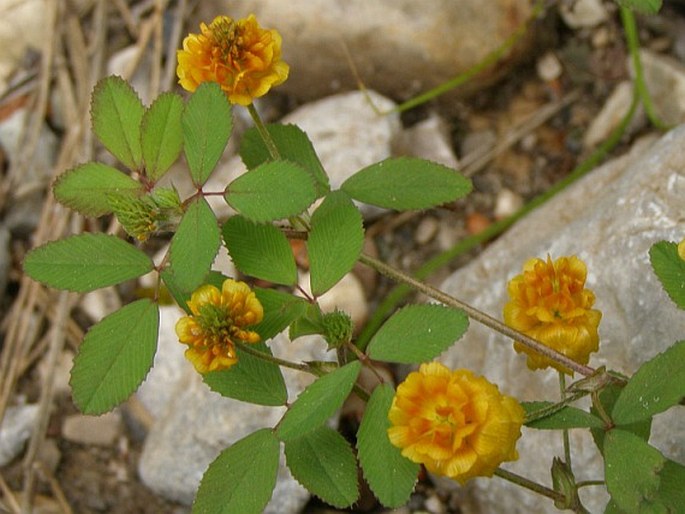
454	423
549	303
243	58
218	320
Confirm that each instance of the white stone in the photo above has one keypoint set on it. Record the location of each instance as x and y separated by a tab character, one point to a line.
99	303
426	230
15	430
429	139
665	78
615	108
507	203
609	219
582	13
398	48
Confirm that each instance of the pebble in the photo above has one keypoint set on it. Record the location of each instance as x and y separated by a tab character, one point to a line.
614	109
549	67
347	295
429	139
60	375
507	203
665	78
478	141
434	505
582	13
426	230
15	430
96	430
476	223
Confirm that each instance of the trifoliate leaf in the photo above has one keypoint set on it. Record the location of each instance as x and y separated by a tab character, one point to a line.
260	250
86	262
162	135
418	333
115	356
271	191
335	241
549	416
86	188
207	123
116	113
406	183
323	462
318	402
242	478
390	475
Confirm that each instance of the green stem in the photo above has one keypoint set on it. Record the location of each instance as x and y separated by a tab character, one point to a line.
275	360
398	293
551	409
597	404
266	137
489	60
529	484
567	442
474	313
587	483
630	29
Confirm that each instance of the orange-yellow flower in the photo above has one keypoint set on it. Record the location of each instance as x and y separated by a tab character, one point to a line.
549	303
454	423
239	55
218	319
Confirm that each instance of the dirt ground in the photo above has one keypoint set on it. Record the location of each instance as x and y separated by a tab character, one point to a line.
85	479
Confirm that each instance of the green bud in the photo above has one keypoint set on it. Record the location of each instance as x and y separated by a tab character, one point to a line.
167	198
337	327
138	216
564	482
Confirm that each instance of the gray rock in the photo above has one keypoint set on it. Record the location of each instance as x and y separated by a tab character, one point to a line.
614	109
609	219
400	48
665	78
15	430
197	424
429	139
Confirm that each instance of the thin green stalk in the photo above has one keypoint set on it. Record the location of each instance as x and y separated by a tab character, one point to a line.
266	137
529	484
475	314
489	60
398	293
630	29
567	442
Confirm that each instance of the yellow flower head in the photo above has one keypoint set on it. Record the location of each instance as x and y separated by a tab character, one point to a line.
218	319
454	423
549	303
243	58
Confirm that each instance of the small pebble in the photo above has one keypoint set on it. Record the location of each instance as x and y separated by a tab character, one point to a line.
600	38
582	13
549	67
434	505
476	223
97	430
426	230
507	203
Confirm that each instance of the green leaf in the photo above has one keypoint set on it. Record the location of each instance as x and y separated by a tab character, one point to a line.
608	397
656	386
643	6
207	123
671	490
252	379
114	357
85	188
271	191
318	402
280	310
670	269
310	322
323	462
162	135
194	246
335	241
242	478
86	262
293	145
558	418
260	250
390	475
116	113
406	183
631	471
418	333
